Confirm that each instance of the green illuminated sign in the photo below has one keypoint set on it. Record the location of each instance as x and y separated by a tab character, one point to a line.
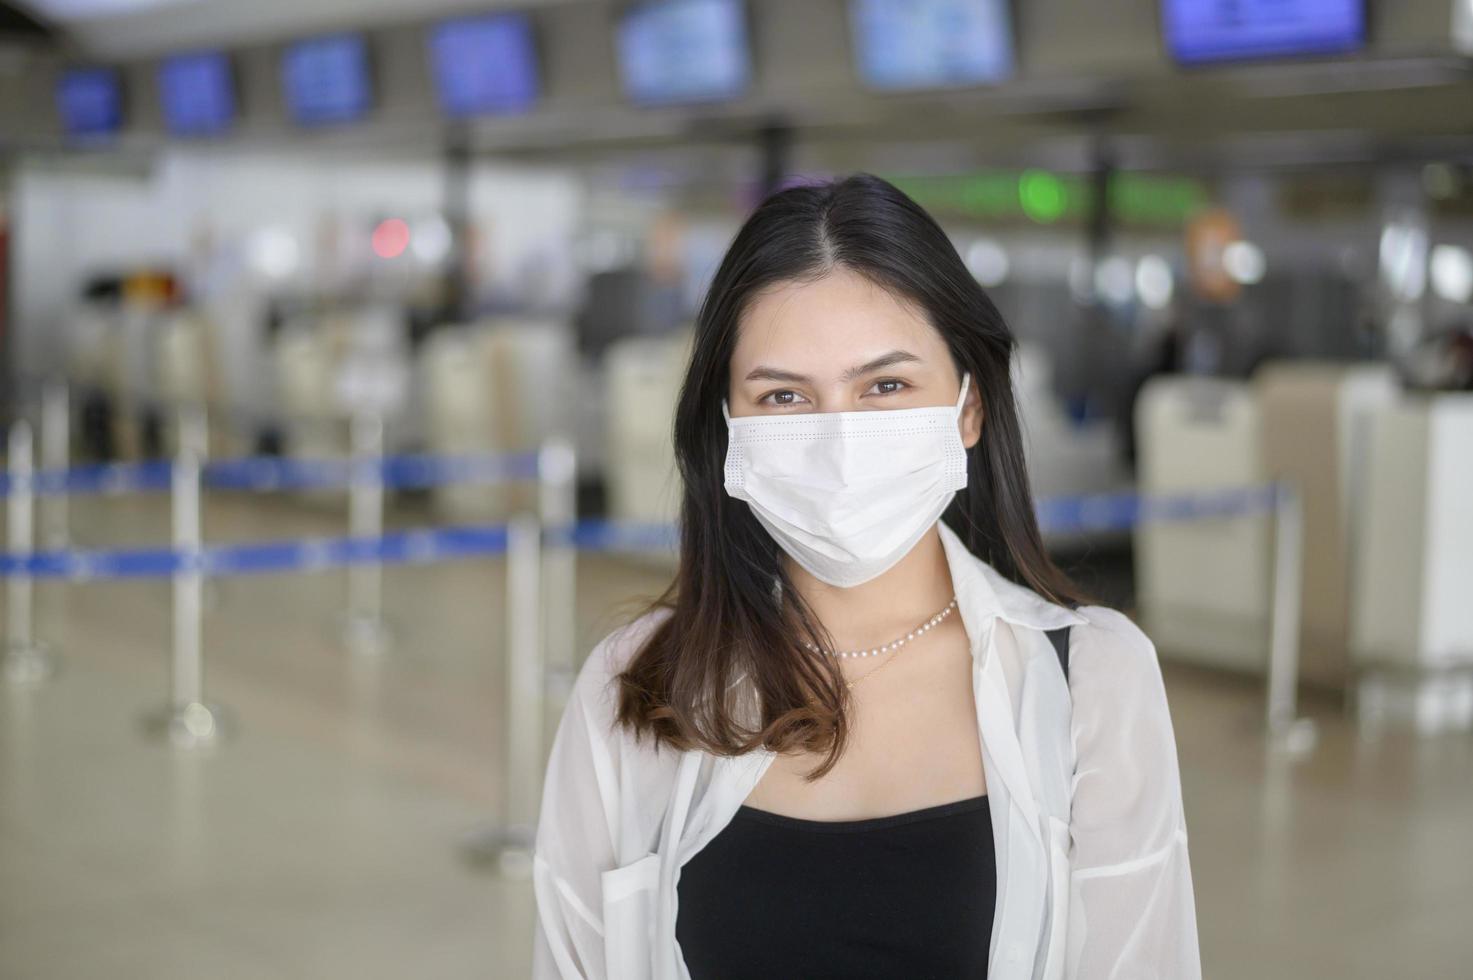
1043	196
1047	198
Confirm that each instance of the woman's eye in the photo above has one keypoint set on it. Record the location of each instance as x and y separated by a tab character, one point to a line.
890	386
784	397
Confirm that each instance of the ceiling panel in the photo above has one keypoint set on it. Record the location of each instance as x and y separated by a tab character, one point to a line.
72	11
130	28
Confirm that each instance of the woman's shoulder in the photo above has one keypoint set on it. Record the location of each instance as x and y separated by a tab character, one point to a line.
1109	652
1121	716
1113	623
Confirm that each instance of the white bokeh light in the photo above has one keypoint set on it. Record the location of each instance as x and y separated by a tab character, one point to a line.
274	253
1404	259
1452	273
1115	280
430	240
1244	262
1154	282
988	262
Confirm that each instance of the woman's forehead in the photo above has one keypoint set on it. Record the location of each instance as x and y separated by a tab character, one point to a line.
831	321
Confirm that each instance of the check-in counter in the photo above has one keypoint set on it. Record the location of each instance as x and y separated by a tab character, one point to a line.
1202	585
1315	424
306	355
502	386
643	377
1412	589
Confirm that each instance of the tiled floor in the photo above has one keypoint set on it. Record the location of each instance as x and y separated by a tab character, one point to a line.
322	840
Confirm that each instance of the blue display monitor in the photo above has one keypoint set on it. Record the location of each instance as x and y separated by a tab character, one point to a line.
197	93
921	44
326	79
674	51
1202	31
484	64
90	101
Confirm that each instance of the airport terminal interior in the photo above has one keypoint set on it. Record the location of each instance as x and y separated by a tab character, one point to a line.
340	342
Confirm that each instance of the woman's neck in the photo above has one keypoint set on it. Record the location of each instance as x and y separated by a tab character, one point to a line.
885	607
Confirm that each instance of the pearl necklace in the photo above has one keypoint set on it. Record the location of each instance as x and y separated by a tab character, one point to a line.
894	644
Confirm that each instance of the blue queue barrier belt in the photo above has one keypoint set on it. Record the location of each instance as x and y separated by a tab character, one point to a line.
1120	511
276	473
418	546
1124	511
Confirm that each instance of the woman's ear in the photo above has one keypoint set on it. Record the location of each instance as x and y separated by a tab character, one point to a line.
972	417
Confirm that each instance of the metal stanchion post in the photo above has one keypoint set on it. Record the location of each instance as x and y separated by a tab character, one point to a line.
365	630
508	844
1286	730
193	431
26	661
192	434
187	720
55	456
558	503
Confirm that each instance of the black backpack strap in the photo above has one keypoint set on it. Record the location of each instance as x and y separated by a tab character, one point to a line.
1060	639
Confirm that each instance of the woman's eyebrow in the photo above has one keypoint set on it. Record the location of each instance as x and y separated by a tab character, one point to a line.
763	372
883	361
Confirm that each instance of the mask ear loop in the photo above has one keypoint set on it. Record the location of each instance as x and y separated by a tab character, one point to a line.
724	413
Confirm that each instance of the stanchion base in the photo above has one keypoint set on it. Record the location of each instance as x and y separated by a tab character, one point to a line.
367	635
190	726
505	849
1296	738
28	666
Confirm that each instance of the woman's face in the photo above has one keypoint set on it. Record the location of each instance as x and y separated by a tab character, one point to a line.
842	344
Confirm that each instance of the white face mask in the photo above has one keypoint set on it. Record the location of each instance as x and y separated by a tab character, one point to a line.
847	494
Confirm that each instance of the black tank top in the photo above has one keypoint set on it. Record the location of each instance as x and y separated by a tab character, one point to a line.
907	895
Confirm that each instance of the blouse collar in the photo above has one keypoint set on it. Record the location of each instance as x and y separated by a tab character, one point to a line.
982	592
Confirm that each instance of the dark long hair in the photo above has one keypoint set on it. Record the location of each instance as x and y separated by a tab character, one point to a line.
723	617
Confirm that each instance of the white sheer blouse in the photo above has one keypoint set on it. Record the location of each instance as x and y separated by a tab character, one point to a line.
1094	880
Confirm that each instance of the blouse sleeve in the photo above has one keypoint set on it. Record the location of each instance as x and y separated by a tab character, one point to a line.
575	831
590	777
1132	912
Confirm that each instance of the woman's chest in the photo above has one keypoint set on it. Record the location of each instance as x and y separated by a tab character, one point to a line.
913	744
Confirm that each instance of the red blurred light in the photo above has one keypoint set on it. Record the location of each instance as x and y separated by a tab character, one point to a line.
390	238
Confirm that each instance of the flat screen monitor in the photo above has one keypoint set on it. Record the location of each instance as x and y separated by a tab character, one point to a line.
923	44
90	101
326	79
484	64
1202	31
677	51
197	93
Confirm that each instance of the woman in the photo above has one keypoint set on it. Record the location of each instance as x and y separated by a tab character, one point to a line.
731	793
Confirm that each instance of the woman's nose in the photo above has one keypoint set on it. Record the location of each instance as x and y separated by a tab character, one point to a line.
837	400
